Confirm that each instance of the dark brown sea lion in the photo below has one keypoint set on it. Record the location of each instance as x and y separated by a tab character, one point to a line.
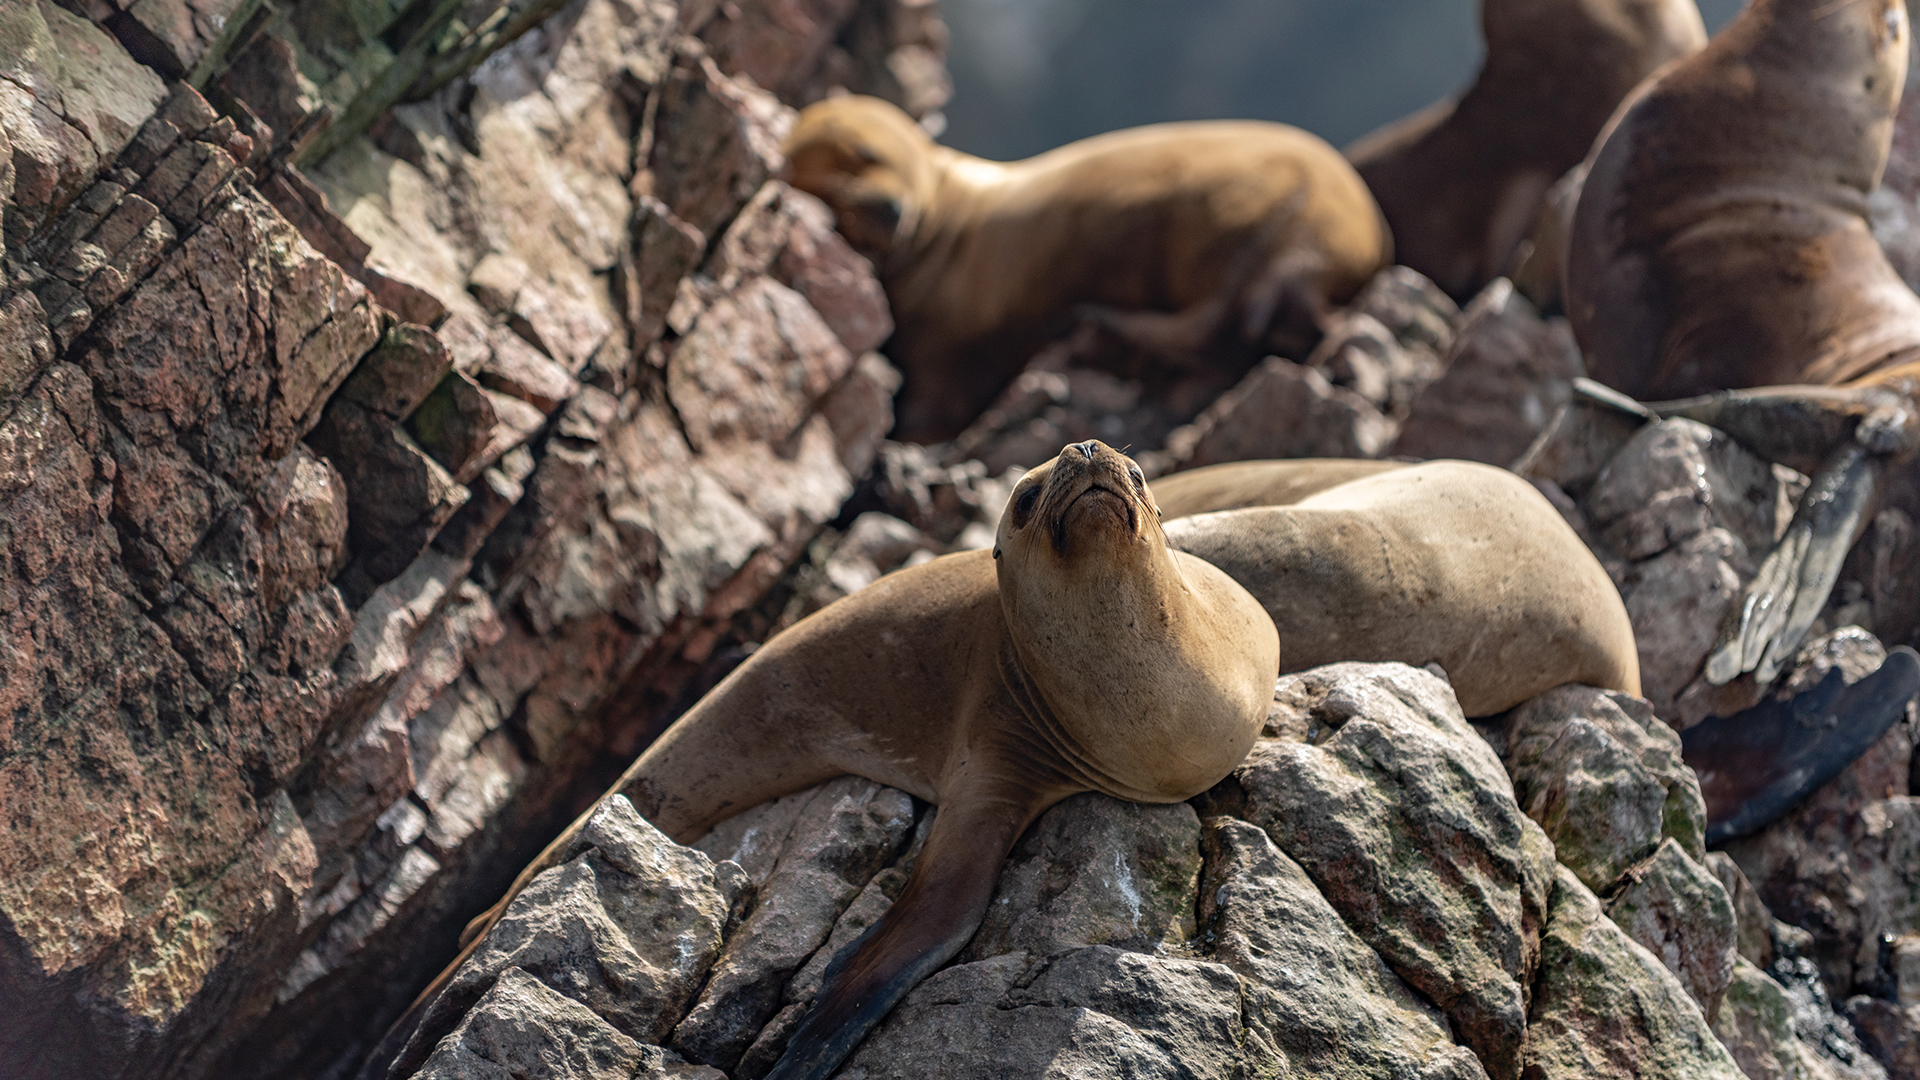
1721	242
1227	237
1461	180
1088	652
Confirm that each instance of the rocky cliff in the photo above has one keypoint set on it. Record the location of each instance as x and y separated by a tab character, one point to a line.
406	409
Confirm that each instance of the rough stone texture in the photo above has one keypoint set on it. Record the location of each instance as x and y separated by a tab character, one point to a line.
1603	776
1678	911
1843	864
521	1028
313	567
846	832
1094	871
1507	373
1606	1007
627	929
1406	822
1128	941
1689	515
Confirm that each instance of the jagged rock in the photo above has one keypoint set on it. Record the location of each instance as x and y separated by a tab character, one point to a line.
1094	871
1605	1007
1603	776
1890	1032
521	1028
1678	911
1507	373
1452	891
627	928
1280	410
838	841
1390	343
1318	998
1754	941
1843	863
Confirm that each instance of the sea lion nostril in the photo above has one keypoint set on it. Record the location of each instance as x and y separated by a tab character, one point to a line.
1086	448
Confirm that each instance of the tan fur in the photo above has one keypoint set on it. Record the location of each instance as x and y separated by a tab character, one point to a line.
1450	562
1092	657
1231	236
1721	240
1461	182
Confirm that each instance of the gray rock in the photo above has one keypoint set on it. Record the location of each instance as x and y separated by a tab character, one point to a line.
627	928
1754	940
1678	911
1095	1012
1605	1007
1692	513
521	1029
1406	823
1507	374
843	835
1603	776
1756	1026
1095	871
1845	863
1317	997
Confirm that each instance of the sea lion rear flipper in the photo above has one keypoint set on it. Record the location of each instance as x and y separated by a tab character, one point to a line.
945	899
1757	764
1801	426
1794	582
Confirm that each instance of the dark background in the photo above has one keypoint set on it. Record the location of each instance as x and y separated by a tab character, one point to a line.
1030	75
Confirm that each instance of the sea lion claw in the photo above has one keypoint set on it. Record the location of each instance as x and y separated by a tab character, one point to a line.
1798	575
1756	765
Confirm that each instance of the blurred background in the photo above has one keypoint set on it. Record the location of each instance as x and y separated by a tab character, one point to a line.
1030	75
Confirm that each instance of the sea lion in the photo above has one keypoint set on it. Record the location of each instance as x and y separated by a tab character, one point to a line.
1721	242
1461	180
1228	238
1089	652
1448	562
1081	654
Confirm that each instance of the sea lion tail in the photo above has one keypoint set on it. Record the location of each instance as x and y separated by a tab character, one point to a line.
944	901
1757	764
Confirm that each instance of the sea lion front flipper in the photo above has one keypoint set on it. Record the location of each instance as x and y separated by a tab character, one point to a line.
1794	582
1757	764
945	899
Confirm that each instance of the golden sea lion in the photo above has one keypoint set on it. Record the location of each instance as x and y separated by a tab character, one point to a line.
1461	180
1721	242
1086	652
1227	237
1449	562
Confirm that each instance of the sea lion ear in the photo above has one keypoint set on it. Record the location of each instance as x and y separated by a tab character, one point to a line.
996	552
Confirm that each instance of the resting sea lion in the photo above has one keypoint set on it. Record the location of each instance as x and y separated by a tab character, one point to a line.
1448	562
1082	654
1721	242
1088	653
1461	180
1227	236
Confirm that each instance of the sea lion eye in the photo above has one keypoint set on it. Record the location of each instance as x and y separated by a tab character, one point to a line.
1139	480
1023	505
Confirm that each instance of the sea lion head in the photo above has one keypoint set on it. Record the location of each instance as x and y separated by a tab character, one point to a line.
1845	60
869	162
1154	670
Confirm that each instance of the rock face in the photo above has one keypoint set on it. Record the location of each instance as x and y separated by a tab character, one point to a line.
1363	897
356	518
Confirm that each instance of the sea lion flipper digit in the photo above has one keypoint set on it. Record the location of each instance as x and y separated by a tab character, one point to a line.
1796	578
937	913
1756	765
1590	392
